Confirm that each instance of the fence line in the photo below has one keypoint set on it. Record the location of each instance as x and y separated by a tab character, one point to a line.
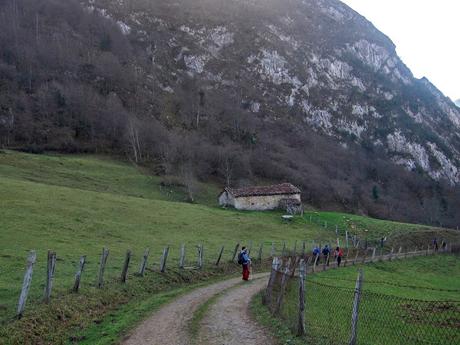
311	265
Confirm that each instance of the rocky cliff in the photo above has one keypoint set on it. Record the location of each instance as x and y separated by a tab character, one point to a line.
313	63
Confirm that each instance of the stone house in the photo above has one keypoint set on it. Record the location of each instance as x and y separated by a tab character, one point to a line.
261	198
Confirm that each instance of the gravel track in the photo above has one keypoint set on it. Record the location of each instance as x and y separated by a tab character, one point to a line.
228	322
169	325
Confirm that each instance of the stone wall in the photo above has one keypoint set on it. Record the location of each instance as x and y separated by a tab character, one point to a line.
262	203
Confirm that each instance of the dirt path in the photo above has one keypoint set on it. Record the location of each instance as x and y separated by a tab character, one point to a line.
227	322
169	325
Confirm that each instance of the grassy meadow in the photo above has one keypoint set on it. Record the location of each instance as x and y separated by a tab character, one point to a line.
413	301
75	205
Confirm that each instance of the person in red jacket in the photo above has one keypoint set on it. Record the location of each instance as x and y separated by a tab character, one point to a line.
338	255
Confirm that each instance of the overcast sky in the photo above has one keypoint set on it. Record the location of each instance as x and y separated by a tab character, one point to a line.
426	34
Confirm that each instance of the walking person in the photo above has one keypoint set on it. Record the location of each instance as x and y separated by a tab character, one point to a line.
326	252
245	261
338	255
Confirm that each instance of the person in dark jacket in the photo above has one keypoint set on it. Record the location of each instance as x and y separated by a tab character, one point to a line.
338	255
326	251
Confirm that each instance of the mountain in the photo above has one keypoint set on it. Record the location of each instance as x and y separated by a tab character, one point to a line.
306	91
457	102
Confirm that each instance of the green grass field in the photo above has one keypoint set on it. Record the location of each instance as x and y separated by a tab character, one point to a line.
75	205
414	301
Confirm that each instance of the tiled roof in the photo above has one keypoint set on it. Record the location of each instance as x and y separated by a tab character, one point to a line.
284	188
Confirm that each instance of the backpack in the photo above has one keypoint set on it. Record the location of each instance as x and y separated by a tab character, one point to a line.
240	259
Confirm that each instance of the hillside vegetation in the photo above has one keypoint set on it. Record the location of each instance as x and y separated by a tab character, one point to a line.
302	91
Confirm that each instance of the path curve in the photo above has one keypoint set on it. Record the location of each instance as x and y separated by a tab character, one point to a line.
169	325
228	322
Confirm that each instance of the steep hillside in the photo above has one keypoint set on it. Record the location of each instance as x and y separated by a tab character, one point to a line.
242	91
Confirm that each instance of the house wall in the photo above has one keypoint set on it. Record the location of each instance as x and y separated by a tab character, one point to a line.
261	203
226	199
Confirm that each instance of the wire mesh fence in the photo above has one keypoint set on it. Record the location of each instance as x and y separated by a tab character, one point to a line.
330	315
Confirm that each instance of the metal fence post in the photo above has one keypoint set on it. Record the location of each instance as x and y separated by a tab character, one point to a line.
355	312
302	275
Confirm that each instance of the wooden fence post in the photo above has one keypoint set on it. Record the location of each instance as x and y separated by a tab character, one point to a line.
365	256
303	249
356	256
346	238
103	262
81	266
399	252
276	263
373	254
164	258
50	268
124	271
302	275
182	256
346	258
316	262
235	252
26	283
200	256
355	312
249	247
143	264
259	256
272	252
284	279
391	254
220	255
283	252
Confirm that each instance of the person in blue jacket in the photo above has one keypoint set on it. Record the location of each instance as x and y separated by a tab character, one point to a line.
245	260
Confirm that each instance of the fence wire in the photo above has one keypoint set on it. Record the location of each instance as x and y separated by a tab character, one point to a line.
383	319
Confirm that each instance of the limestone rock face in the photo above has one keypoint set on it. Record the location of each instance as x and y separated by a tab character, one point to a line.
313	63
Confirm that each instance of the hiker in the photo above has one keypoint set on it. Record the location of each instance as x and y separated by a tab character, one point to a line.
245	261
316	252
443	245
326	252
435	244
338	255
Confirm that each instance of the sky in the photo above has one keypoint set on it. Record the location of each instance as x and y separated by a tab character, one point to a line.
426	34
